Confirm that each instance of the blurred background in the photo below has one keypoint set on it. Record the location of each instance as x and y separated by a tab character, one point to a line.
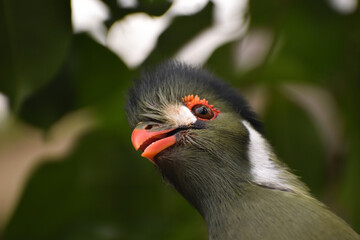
67	166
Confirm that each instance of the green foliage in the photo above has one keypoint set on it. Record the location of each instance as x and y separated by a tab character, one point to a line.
77	83
34	41
104	189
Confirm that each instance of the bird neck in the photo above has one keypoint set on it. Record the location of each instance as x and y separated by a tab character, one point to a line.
226	196
264	213
249	211
222	187
266	170
225	215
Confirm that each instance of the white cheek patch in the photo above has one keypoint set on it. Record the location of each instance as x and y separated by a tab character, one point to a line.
263	169
179	115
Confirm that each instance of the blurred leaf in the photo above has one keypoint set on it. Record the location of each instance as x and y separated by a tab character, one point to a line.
90	76
312	40
33	44
347	87
151	7
49	103
222	63
267	13
102	191
180	32
96	72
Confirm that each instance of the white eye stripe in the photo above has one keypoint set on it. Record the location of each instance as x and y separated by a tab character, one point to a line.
179	115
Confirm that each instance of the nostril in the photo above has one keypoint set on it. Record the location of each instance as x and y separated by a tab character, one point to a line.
150	126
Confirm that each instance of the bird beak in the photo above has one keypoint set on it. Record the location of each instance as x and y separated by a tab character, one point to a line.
152	142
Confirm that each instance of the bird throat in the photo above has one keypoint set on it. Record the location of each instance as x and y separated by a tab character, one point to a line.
219	190
205	187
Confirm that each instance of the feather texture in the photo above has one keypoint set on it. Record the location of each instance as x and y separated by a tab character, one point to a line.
224	166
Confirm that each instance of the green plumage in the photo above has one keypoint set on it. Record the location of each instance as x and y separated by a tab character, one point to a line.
214	164
259	213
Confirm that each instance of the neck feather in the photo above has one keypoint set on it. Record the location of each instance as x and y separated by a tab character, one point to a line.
266	170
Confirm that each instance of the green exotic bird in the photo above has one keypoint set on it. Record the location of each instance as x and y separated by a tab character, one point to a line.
206	141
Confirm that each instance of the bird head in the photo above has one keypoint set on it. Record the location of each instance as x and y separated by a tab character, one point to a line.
192	126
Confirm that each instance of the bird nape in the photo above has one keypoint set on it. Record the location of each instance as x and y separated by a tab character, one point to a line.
205	140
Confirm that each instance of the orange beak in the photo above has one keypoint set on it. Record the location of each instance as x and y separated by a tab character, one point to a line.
152	142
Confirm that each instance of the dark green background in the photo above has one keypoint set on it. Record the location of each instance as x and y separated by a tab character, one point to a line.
104	189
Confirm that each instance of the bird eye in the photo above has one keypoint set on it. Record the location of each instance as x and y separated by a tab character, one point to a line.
203	112
200	107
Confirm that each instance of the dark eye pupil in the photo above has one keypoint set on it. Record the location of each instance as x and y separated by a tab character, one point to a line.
202	111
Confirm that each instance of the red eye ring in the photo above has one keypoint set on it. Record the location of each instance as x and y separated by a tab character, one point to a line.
193	102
